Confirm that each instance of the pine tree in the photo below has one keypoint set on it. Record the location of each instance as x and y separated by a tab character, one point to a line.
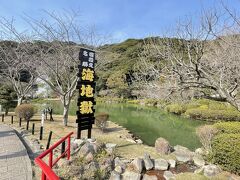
7	97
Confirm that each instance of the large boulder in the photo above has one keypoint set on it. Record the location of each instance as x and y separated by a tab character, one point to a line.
118	169
162	146
182	154
110	147
147	162
119	162
97	146
85	149
107	164
127	175
78	142
198	160
160	164
179	147
172	163
89	157
137	165
115	176
211	170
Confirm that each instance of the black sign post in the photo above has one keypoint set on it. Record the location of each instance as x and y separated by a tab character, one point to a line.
86	86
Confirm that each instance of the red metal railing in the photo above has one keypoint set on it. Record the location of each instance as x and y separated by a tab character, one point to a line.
47	172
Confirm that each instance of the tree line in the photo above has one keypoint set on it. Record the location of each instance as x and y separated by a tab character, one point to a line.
199	61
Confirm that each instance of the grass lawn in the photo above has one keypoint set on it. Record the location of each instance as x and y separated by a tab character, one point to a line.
111	135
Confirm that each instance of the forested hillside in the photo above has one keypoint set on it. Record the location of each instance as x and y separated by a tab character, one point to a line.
176	68
115	77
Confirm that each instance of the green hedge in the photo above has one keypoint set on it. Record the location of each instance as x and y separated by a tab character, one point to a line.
175	108
111	99
203	113
228	127
226	152
205	109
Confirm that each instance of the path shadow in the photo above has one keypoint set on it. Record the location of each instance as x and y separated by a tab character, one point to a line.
14	154
32	155
6	133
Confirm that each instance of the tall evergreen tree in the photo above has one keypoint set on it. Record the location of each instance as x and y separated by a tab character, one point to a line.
8	97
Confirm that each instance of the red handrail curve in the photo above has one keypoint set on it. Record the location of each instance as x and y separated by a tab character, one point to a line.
47	172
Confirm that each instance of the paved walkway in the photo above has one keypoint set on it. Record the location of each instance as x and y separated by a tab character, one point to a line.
14	161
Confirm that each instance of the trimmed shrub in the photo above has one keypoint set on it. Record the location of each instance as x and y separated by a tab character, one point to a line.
203	113
192	105
206	134
7	97
226	152
101	121
134	101
175	108
150	102
228	127
25	111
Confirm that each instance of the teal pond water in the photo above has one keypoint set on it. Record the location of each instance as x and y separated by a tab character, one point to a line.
149	123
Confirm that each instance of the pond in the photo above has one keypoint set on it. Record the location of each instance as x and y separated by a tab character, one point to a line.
149	123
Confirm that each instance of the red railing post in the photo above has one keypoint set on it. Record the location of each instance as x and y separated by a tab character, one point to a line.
47	172
50	159
43	176
69	144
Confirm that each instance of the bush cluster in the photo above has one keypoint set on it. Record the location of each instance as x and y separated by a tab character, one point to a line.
228	127
175	108
134	101
112	99
204	113
226	152
25	111
101	120
205	109
225	145
151	102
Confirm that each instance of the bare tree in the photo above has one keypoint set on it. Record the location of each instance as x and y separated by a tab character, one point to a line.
58	69
52	51
198	59
15	61
56	55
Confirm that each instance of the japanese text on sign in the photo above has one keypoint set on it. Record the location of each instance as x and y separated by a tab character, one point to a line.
86	86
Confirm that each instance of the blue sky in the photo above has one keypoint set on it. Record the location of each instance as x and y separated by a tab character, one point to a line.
121	19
